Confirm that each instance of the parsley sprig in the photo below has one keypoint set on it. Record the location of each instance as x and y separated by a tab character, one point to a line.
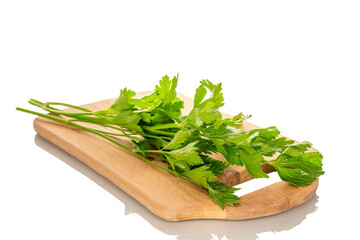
157	129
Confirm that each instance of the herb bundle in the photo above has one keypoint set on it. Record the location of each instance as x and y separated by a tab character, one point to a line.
157	128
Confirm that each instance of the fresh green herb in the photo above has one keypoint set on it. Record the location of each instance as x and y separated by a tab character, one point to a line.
157	128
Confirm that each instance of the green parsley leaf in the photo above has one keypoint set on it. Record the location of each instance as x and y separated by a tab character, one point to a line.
200	175
167	89
124	114
222	194
252	162
298	167
215	166
178	140
122	102
187	154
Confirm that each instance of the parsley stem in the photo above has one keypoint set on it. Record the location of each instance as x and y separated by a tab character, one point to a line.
148	128
83	116
46	106
97	132
151	151
67	122
165	126
41	105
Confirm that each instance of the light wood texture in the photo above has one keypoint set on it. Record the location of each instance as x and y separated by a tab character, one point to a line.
165	195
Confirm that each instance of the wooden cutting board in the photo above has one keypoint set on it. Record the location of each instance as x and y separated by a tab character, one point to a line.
165	195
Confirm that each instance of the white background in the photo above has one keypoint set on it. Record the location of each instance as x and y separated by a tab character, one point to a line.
292	64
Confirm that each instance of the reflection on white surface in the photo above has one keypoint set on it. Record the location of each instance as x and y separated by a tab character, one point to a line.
192	229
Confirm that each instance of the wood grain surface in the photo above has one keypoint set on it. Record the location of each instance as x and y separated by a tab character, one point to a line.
165	195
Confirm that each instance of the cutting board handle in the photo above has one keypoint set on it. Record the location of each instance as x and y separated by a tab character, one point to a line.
270	200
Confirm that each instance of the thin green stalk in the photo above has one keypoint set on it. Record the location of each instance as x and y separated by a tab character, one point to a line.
36	103
152	136
104	125
153	151
165	126
79	115
114	134
123	130
171	134
41	105
67	105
